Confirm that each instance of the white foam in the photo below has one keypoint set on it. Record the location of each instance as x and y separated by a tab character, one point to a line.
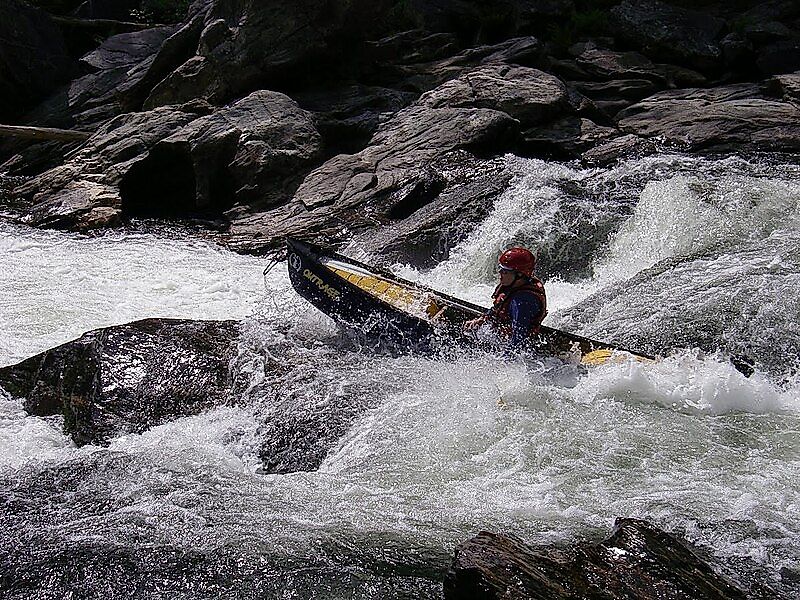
690	383
56	286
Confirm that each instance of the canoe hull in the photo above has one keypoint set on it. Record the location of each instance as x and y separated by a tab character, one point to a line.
348	304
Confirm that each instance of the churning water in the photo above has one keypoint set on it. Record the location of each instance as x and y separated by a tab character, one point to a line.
694	259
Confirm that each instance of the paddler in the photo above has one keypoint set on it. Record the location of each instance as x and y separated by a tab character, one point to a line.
519	301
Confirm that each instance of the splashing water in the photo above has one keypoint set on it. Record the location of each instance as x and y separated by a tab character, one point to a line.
426	451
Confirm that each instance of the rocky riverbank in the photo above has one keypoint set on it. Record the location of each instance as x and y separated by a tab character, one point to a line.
353	122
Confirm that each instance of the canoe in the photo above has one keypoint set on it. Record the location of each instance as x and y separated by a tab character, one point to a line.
407	315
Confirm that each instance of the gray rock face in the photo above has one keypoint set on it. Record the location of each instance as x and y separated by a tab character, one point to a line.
669	33
252	152
84	192
119	62
246	46
349	116
786	86
638	561
175	162
425	238
392	179
33	58
128	378
735	117
386	181
528	95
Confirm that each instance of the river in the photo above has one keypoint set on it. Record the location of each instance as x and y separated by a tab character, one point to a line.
693	258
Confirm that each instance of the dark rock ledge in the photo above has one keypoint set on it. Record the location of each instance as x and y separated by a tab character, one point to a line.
128	378
638	561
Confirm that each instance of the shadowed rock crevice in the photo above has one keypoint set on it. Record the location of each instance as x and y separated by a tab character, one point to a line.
162	185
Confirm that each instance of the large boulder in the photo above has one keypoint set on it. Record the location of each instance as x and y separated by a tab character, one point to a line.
669	33
253	153
481	111
178	162
83	193
347	117
424	239
734	117
250	45
528	95
638	561
128	378
33	58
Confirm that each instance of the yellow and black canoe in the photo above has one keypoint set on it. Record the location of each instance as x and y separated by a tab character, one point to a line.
403	313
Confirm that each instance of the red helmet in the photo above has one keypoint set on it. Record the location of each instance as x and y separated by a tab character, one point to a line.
518	259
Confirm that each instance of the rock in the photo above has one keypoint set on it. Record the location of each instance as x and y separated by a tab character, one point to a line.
567	137
331	200
128	378
118	63
608	64
253	152
63	197
638	561
33	58
528	95
248	46
669	33
425	238
617	148
779	57
425	76
736	117
628	89
348	117
786	86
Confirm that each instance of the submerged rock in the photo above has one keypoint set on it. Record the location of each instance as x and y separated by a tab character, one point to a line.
128	378
638	561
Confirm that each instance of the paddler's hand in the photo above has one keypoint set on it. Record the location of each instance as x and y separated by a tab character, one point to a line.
472	325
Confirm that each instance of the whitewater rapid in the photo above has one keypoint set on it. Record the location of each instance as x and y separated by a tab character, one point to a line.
448	445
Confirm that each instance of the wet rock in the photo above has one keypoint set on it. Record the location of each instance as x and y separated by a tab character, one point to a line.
637	561
128	378
669	33
617	148
63	197
735	117
567	137
424	238
33	58
252	153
